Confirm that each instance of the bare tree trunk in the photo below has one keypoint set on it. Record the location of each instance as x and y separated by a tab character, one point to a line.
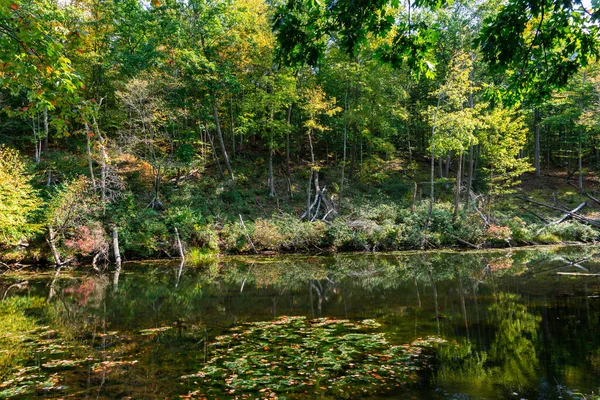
580	151
310	175
458	182
36	136
312	159
214	152
52	243
470	181
580	165
232	126
104	158
117	254
448	164
89	155
220	136
345	148
287	140
432	190
536	139
179	246
271	174
46	130
271	177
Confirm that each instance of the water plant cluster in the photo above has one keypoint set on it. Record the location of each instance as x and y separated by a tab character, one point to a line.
296	356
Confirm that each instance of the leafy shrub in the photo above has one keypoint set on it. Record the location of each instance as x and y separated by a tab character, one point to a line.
184	219
574	231
266	236
301	235
546	237
18	200
339	236
520	232
144	235
87	239
206	237
498	233
234	237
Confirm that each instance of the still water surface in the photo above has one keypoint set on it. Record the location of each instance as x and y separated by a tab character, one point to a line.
522	324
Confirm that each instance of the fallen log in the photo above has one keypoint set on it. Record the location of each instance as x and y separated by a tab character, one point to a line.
463	241
593	198
544	220
573	215
564	217
576	274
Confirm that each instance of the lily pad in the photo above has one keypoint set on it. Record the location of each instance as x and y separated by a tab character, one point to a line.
295	355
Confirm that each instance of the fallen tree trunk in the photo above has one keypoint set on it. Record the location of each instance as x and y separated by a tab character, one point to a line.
576	274
564	217
571	214
593	198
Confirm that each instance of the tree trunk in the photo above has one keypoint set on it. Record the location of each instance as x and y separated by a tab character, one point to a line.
271	174
458	182
432	190
287	139
345	143
271	178
46	130
580	164
220	136
104	158
536	139
313	163
232	126
52	243
310	175
580	151
179	246
470	181
89	155
117	254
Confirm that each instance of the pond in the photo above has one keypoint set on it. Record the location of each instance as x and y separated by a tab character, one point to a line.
522	323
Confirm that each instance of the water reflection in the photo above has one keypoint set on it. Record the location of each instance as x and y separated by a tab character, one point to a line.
512	323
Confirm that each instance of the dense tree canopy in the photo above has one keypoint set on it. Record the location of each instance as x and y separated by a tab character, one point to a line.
196	114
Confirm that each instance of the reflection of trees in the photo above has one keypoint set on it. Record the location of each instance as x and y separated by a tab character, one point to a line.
510	362
512	355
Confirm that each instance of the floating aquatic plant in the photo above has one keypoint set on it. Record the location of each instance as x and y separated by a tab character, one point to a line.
294	355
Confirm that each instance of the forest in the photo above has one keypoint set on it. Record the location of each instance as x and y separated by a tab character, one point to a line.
197	128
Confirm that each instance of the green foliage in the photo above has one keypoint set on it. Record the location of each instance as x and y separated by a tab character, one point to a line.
18	199
502	136
539	45
200	256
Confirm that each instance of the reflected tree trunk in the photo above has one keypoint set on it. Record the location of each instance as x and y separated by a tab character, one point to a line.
435	298
417	291
52	290
462	301
310	298
181	255
319	296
